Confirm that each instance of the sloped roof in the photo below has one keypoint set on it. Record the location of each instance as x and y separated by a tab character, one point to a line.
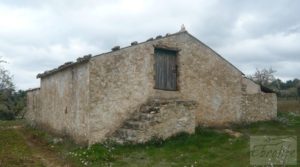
266	89
86	58
66	65
32	89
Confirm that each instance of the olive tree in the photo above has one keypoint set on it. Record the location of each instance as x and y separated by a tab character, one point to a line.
6	94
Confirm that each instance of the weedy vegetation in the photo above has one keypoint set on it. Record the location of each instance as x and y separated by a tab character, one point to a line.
207	147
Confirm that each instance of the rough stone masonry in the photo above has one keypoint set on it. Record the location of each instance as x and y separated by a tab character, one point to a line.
122	95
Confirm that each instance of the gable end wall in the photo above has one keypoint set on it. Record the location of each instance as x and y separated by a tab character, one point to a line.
206	78
122	80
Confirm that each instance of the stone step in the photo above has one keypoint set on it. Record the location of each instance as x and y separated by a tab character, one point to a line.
124	133
125	140
117	140
150	109
131	124
142	117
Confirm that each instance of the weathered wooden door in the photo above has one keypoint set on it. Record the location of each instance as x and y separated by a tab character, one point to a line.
165	69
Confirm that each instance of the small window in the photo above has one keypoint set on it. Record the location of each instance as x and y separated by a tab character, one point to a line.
165	69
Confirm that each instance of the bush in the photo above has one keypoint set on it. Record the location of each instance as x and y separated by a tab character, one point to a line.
11	103
7	116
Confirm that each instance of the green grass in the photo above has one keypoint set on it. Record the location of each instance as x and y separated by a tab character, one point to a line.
13	148
207	147
4	124
181	150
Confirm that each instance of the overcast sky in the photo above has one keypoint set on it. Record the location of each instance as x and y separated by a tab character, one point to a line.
40	35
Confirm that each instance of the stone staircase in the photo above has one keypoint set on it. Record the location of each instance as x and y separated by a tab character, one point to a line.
153	118
134	128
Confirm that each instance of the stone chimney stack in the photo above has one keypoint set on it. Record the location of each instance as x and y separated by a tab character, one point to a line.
182	28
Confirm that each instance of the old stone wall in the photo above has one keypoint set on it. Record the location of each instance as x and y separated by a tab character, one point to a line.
64	102
258	107
91	100
250	87
204	77
122	80
33	106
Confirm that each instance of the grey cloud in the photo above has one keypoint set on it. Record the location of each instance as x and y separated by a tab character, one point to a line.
40	35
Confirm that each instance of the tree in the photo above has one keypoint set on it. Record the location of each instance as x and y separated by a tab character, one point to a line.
276	84
5	78
19	102
263	76
298	91
288	84
6	94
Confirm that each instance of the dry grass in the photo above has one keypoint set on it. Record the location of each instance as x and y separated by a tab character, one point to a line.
288	106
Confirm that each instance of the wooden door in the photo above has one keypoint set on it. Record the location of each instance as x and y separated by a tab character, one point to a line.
165	69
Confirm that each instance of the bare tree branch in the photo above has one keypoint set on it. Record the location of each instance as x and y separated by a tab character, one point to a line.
263	76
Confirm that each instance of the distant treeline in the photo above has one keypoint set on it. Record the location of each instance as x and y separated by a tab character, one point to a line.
288	89
266	78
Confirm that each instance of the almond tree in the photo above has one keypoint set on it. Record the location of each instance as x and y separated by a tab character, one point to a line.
263	76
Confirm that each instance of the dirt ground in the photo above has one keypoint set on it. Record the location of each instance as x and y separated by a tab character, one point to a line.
19	148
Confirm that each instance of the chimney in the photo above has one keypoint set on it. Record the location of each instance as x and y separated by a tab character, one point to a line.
182	29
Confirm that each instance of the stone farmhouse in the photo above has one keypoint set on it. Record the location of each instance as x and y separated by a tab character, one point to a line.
157	88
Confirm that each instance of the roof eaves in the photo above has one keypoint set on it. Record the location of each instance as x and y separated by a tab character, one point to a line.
266	89
147	41
88	57
80	60
32	89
